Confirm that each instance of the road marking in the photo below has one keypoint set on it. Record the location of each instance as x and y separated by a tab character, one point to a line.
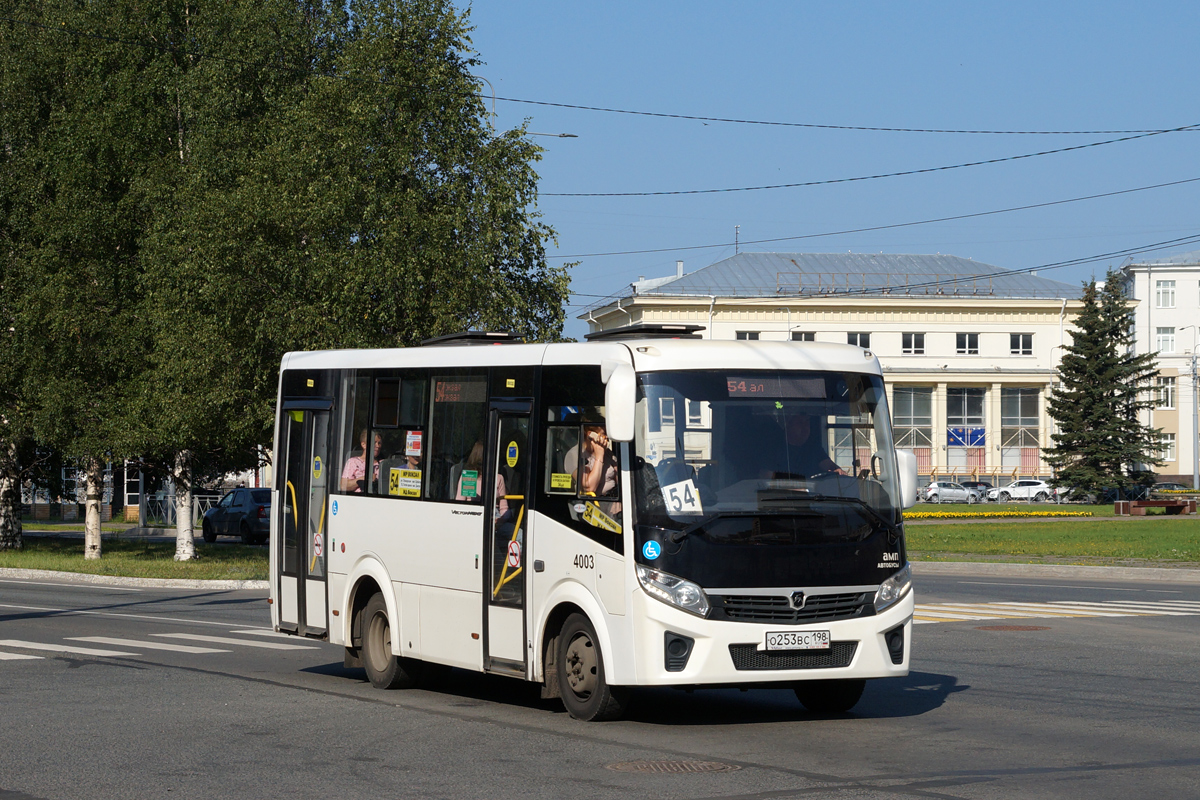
265	632
72	585
952	612
113	614
178	648
196	637
17	657
1048	586
62	648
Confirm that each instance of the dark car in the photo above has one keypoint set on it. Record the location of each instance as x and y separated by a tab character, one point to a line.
980	486
1168	486
242	512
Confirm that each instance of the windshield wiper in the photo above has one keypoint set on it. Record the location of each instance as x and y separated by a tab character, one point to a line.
858	501
678	536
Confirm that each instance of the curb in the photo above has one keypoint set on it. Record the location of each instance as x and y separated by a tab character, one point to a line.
1152	574
115	580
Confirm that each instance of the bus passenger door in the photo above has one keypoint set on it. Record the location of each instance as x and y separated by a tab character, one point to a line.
303	475
505	535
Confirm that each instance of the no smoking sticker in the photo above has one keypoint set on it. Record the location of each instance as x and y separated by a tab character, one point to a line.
318	545
514	554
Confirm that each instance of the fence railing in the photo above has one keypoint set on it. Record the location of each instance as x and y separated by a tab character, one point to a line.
160	512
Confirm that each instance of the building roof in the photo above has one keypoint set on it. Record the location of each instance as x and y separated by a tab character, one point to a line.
1179	259
809	274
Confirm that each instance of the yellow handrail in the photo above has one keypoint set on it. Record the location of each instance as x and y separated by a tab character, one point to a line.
320	528
516	529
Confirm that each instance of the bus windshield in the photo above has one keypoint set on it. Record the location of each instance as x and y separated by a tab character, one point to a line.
712	445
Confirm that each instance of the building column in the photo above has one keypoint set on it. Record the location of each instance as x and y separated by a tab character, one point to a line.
1045	424
992	409
939	459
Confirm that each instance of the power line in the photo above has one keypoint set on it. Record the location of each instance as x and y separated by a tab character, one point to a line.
871	177
819	125
884	227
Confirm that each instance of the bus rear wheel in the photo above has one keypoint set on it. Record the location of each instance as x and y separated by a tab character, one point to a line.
829	697
384	670
585	691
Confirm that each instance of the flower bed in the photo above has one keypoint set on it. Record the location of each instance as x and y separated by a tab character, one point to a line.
990	514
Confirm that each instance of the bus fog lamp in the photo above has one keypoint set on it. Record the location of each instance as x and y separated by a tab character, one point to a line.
894	588
673	590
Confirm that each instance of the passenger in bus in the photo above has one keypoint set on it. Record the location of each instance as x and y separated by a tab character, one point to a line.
598	474
474	463
354	474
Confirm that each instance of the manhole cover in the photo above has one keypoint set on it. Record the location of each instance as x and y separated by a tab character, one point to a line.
673	767
1012	628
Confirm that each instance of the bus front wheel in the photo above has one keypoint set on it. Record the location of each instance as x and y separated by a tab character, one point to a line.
829	697
585	691
384	670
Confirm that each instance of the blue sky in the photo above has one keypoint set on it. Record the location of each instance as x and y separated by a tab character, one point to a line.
965	65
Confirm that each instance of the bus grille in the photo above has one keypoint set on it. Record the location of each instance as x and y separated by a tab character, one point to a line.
817	608
749	657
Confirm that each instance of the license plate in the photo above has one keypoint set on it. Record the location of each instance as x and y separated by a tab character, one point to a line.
798	640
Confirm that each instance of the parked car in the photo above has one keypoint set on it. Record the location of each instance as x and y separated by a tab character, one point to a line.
242	512
983	487
1022	490
1168	486
949	492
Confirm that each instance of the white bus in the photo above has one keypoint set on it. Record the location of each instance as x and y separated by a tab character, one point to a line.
648	508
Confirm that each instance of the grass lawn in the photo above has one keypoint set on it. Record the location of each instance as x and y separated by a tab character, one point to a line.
139	559
1165	539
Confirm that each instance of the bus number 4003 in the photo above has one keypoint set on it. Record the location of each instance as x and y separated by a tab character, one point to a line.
585	562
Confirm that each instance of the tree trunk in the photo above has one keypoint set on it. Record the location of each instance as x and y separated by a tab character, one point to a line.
91	527
185	546
10	498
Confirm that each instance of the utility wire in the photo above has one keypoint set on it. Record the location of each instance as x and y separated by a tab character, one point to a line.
872	177
883	227
822	126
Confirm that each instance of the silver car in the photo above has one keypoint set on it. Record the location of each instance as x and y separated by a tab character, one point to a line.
950	492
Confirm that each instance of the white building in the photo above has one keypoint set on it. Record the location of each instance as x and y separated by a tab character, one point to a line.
1167	292
969	350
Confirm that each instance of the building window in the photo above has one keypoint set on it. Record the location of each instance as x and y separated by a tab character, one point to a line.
861	339
803	336
966	344
912	419
750	336
1019	429
1165	340
912	344
1166	449
1164	389
1164	294
1020	344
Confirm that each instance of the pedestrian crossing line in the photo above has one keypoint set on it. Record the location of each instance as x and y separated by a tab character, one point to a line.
957	612
17	657
62	648
265	632
177	648
196	637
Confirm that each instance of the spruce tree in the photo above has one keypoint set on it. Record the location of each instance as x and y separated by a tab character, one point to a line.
1101	441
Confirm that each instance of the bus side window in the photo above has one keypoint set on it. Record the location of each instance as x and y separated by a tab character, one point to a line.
560	442
457	423
355	431
398	421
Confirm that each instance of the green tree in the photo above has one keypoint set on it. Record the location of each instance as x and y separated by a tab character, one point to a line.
1101	441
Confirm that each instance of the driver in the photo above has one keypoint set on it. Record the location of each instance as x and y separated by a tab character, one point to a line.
804	454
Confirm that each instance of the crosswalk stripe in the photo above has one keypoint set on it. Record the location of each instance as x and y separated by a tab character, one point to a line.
265	632
1133	608
196	637
1019	611
178	648
951	612
62	648
16	657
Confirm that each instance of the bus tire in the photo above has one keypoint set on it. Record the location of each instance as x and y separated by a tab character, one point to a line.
585	693
829	697
384	670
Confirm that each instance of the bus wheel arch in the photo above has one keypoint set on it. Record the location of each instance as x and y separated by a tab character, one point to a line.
385	669
582	682
549	655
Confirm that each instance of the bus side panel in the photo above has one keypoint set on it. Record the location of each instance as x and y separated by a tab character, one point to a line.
446	635
337	594
571	564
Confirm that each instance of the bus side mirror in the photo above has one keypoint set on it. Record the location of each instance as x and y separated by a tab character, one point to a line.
620	397
906	462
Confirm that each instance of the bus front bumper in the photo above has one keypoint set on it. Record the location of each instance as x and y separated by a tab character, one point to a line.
734	653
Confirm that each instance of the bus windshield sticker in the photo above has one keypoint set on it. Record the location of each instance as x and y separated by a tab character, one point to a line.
470	483
318	469
560	480
404	482
682	498
511	455
651	550
412	443
593	516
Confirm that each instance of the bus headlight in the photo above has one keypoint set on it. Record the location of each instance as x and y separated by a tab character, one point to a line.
894	588
673	590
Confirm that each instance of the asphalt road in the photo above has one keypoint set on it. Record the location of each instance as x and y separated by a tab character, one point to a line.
1098	700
